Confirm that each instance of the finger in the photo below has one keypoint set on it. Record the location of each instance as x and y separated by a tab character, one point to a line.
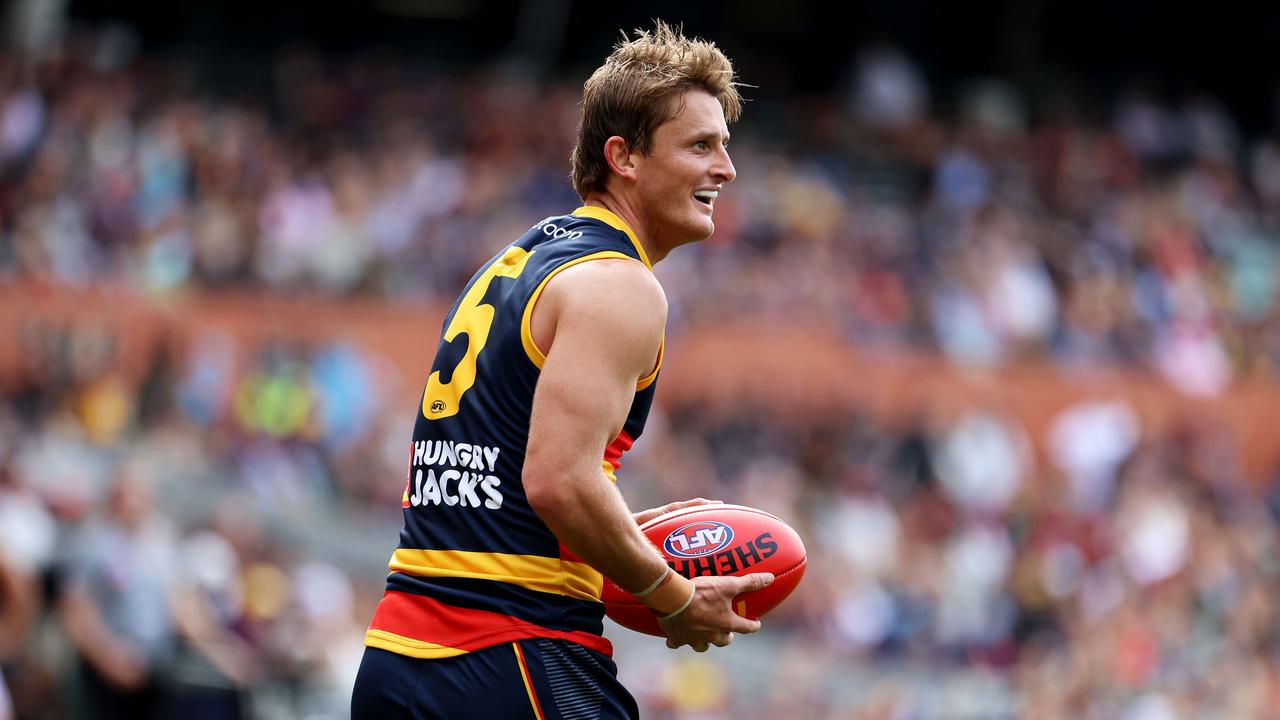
701	647
745	626
754	581
723	640
680	505
672	644
645	516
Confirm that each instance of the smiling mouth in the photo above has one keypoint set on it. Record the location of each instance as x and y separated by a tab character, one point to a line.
706	197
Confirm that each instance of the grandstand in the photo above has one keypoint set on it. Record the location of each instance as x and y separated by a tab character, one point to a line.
992	316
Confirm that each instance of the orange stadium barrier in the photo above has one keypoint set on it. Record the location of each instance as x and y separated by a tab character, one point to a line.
769	365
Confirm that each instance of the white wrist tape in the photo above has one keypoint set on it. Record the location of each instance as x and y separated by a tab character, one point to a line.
671	616
654	585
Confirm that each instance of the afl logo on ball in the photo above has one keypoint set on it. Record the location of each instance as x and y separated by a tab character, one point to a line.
698	538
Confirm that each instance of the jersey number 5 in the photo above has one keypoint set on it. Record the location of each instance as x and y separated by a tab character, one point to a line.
441	400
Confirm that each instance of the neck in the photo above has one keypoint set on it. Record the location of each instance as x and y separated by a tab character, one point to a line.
623	209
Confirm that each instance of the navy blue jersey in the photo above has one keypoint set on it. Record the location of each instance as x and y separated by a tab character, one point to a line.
476	566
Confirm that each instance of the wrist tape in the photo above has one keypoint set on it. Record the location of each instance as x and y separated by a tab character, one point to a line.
655	584
671	616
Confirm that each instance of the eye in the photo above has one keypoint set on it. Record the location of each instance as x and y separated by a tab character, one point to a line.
701	145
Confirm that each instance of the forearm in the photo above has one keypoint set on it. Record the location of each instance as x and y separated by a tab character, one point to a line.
600	347
230	655
589	516
90	635
85	628
17	604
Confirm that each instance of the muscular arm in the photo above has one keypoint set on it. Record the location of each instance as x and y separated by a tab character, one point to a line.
604	320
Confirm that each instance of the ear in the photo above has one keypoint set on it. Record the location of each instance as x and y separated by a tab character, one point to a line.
620	158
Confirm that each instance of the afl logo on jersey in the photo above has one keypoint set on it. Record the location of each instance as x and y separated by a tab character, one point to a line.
698	538
437	406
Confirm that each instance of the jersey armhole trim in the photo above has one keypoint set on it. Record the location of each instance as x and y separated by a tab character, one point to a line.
536	356
647	380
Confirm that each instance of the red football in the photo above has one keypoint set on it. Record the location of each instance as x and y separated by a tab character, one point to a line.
717	540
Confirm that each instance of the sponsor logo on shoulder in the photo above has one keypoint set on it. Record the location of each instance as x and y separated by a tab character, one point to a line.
552	230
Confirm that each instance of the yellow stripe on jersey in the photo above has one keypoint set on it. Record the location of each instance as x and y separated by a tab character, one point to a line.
647	380
609	471
526	332
528	684
617	223
534	572
402	645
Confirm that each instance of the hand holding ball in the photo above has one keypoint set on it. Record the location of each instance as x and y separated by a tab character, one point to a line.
717	540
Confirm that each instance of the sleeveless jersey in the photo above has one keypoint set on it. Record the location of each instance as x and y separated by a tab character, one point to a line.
476	566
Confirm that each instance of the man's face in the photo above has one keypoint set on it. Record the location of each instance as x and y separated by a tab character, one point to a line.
679	179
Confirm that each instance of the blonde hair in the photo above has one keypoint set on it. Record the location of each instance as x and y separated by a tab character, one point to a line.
633	93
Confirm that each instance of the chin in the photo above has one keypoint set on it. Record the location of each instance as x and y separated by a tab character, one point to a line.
701	229
688	229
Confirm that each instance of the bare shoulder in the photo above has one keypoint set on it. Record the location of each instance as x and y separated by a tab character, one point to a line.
614	299
617	290
612	279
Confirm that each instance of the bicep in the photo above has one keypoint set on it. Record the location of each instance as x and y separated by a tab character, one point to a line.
608	331
580	401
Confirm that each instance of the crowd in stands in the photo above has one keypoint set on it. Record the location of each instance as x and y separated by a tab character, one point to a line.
1145	236
207	542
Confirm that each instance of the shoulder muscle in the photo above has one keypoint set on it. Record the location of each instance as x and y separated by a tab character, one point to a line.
612	299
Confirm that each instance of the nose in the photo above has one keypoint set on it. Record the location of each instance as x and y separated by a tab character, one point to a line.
723	170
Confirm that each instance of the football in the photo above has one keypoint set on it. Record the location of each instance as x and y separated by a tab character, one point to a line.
717	540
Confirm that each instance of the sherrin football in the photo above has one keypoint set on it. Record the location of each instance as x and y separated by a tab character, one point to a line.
717	540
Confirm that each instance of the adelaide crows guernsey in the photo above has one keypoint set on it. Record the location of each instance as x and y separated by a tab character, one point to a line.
476	566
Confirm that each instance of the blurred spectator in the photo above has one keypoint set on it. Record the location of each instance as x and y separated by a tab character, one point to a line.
889	93
1088	441
115	606
216	664
18	601
981	461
